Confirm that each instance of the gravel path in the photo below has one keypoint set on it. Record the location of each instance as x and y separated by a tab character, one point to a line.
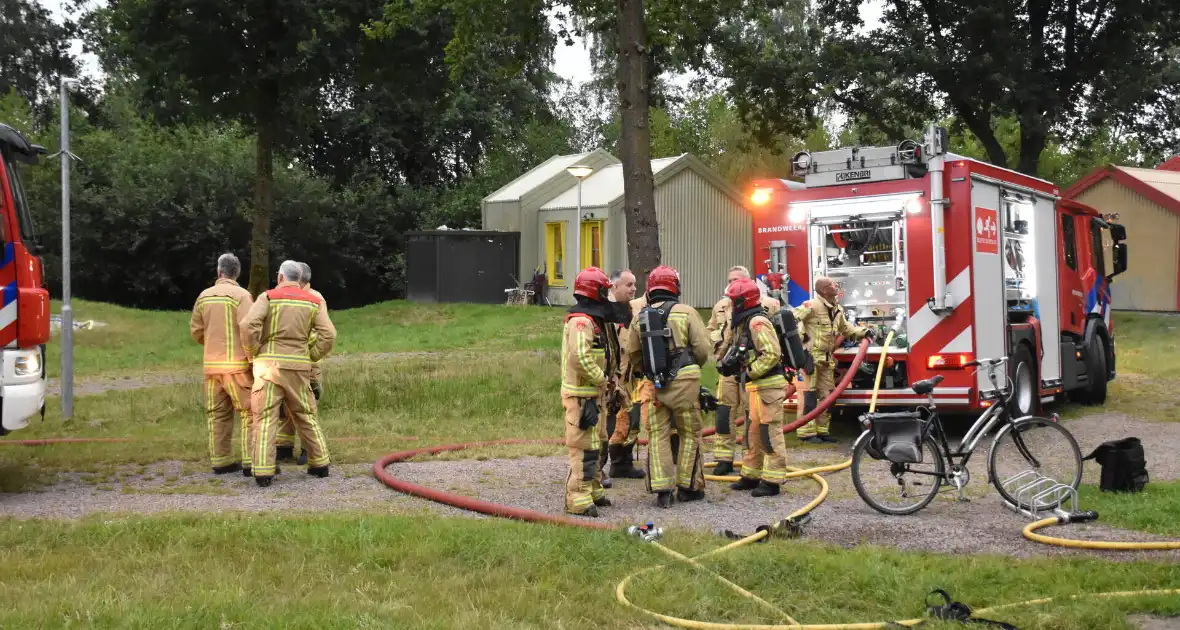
165	487
981	525
1151	622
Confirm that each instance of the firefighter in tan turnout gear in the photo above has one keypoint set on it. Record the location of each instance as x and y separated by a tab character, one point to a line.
822	322
589	368
623	423
752	353
668	342
732	402
214	324
285	441
277	333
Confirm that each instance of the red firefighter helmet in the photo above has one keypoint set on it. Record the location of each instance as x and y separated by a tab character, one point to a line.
592	282
744	293
664	278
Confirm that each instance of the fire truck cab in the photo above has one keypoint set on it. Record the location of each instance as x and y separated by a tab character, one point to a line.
24	301
981	262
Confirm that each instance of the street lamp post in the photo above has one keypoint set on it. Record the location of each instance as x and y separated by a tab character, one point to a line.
581	171
67	311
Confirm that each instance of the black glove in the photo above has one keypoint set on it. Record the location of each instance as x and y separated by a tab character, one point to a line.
589	416
870	334
315	389
730	364
707	400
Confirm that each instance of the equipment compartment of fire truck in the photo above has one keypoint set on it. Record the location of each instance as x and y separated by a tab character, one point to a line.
981	261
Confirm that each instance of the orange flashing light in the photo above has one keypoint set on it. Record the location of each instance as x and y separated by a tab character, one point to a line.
948	361
760	196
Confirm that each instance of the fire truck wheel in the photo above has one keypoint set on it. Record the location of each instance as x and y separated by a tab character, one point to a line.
1096	368
1025	395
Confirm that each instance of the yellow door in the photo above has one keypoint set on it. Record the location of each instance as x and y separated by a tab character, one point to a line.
555	253
592	244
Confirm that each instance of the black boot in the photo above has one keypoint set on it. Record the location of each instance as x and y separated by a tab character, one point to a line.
664	499
320	471
723	469
263	482
247	472
229	468
745	483
602	502
592	512
636	473
285	453
765	489
302	457
621	465
684	495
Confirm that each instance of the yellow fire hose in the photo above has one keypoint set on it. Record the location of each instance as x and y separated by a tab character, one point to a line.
792	624
1030	532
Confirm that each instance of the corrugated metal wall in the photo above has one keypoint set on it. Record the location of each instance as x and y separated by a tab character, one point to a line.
1153	241
703	232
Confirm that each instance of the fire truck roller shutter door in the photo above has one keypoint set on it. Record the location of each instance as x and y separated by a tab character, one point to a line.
991	338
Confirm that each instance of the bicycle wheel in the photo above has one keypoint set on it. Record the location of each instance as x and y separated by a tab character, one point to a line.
1030	456
896	489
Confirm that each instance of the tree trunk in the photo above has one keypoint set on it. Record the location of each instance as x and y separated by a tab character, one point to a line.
264	199
981	126
1032	144
643	243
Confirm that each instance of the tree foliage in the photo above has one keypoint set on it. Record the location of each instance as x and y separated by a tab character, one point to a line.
152	207
34	53
1056	67
264	63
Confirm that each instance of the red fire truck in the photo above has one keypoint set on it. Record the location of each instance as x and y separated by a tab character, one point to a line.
981	261
24	312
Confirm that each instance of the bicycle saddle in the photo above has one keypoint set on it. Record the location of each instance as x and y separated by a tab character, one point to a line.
925	387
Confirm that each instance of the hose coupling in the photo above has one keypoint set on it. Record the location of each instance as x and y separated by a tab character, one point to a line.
1081	517
647	533
791	527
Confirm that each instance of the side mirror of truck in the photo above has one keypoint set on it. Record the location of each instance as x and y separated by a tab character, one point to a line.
1120	259
1118	232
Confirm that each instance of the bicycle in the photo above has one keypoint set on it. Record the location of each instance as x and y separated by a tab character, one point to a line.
905	443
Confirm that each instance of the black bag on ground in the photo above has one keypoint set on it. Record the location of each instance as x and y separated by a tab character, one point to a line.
1124	466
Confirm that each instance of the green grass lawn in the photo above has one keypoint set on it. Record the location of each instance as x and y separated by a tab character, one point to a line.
136	341
1147	348
1153	510
379	571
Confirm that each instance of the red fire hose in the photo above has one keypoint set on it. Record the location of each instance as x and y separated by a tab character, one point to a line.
468	503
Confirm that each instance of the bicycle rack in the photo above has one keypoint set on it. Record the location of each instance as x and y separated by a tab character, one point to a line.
1037	493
